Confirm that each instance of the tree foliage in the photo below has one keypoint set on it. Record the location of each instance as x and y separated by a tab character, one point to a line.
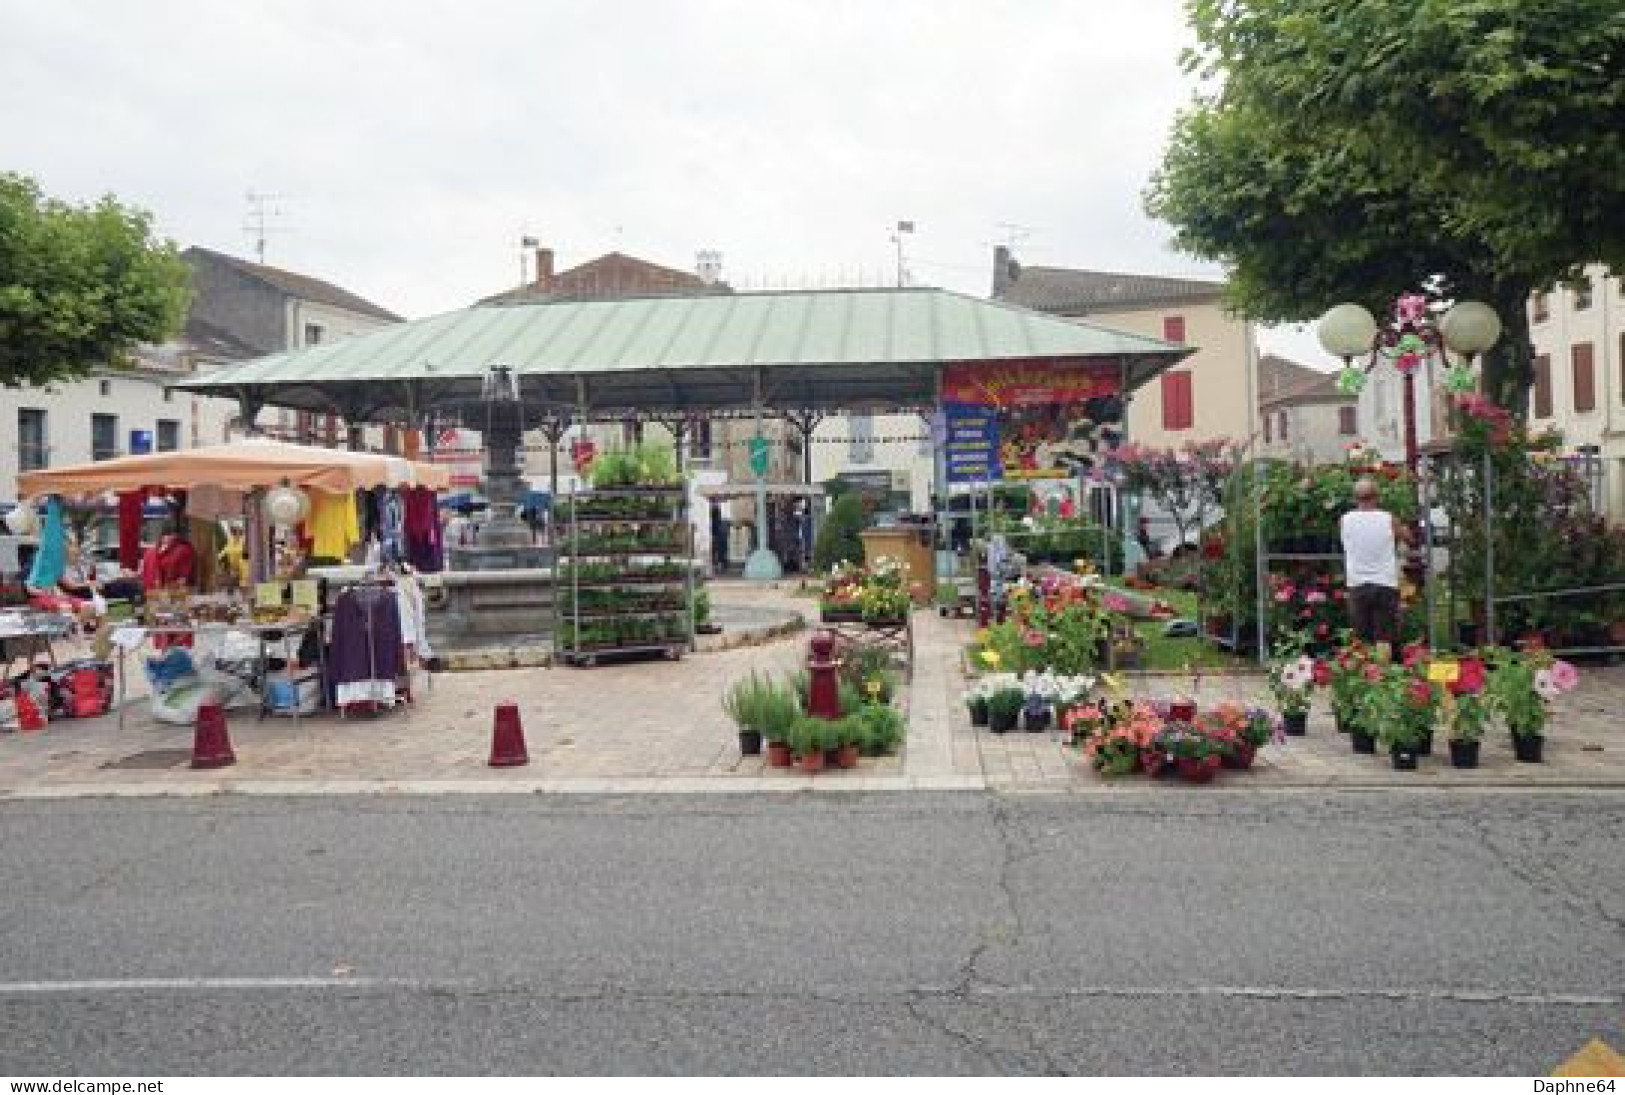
839	539
80	284
1355	149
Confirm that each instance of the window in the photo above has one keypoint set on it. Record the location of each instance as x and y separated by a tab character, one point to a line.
1269	428
169	395
1348	421
1284	434
1178	405
1173	328
103	436
169	435
105	387
1582	295
313	334
699	439
1543	386
861	448
1539	306
33	444
1585	381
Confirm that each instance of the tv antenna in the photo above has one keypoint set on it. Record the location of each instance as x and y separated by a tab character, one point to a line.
262	209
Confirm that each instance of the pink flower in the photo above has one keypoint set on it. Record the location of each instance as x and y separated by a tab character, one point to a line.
1315	597
1564	676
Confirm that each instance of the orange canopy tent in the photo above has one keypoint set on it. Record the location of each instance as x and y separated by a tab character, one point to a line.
240	466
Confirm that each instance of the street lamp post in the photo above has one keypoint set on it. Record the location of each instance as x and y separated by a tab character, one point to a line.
1411	338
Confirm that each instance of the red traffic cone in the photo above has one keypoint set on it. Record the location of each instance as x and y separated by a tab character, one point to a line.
508	738
211	743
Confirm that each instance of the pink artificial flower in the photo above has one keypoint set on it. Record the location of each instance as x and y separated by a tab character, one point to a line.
1315	597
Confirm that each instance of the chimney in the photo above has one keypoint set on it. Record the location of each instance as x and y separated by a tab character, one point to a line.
1005	271
544	266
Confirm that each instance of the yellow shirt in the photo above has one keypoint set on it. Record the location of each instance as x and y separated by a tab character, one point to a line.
334	526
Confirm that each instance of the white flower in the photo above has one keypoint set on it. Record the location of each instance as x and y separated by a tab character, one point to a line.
1546	684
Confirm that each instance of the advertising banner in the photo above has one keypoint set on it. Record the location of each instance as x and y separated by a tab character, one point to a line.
1030	419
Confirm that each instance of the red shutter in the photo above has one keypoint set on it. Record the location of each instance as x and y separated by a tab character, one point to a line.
1178	405
1347	422
1173	329
1543	386
1585	381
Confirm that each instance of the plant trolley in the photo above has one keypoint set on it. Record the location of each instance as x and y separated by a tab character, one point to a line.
625	579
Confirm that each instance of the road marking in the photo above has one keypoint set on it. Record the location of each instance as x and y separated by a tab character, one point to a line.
1256	992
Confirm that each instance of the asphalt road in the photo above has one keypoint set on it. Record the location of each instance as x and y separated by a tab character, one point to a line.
1205	932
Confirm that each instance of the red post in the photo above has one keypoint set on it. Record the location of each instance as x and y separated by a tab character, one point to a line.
508	738
211	741
824	693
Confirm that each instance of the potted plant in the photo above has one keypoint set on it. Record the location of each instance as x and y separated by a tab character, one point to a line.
1121	739
1196	752
781	706
847	735
809	738
1037	708
1465	709
976	702
1402	705
1004	703
1244	730
1290	678
743	703
1345	679
880	729
1522	685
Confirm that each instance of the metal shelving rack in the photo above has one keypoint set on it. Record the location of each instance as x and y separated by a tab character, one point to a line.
636	512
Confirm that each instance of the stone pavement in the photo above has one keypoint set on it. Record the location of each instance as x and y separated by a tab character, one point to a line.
658	727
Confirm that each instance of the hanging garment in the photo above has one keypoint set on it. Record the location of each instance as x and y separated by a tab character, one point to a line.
364	657
333	526
414	618
393	530
129	528
423	548
51	557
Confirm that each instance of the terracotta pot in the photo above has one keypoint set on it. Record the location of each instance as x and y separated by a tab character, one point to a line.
1241	756
846	756
1183	711
813	761
778	754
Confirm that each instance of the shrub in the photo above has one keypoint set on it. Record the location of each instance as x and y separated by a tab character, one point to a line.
838	540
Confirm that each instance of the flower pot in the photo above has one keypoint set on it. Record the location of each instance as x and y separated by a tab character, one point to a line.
778	754
1362	741
1403	756
1194	770
1002	722
812	761
978	713
750	743
847	756
1241	756
1182	711
1424	747
1464	753
1527	747
1156	764
1296	724
1036	721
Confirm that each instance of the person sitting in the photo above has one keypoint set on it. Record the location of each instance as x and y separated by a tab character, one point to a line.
170	563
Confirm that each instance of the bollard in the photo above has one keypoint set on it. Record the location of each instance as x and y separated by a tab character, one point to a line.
211	741
824	693
507	738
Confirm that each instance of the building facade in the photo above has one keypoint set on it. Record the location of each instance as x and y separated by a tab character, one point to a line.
1209	396
1302	414
1579	376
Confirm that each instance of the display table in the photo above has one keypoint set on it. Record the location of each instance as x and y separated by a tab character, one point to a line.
285	635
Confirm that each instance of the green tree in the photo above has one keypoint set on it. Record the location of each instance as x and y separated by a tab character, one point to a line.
838	540
80	284
1355	149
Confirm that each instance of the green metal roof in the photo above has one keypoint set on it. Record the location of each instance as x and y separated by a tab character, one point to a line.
816	348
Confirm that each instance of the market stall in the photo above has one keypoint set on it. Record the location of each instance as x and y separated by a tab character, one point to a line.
315	503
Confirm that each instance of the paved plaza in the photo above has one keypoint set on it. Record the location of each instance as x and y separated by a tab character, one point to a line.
659	727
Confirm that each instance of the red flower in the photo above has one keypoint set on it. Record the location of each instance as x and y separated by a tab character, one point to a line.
1323	672
1414	654
1470	678
1421	693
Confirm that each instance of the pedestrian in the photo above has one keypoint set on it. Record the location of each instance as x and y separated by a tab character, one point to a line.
1371	536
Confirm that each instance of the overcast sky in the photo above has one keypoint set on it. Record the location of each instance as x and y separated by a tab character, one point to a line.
412	145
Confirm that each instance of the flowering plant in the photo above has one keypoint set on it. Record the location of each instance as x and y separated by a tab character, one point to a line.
1346	678
1119	734
1400	704
1290	679
1309	607
1181	740
1463	703
1522	685
1231	722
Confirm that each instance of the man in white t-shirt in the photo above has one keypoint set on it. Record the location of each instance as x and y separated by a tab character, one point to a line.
1371	536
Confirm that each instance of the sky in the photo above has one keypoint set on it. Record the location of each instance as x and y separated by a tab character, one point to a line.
409	147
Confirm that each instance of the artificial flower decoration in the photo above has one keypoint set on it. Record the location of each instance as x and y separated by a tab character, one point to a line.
1459	379
1351	381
